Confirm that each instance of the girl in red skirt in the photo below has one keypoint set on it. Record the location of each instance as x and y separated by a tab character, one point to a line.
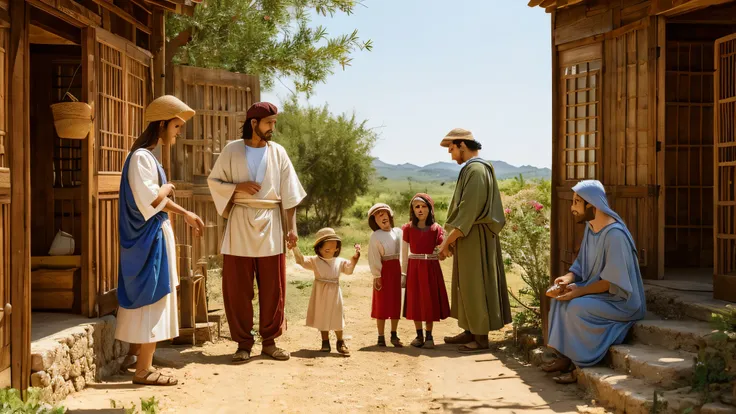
426	296
383	259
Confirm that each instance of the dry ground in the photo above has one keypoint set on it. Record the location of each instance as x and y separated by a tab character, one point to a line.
371	380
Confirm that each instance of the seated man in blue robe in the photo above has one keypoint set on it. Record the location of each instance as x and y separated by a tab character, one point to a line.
602	295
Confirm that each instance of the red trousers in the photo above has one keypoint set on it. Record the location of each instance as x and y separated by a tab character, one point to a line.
237	291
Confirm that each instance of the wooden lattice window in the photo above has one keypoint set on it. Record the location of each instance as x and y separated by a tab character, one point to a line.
137	74
67	76
581	112
112	141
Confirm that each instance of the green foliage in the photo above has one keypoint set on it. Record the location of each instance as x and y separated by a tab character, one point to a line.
11	401
709	368
525	242
271	38
148	406
300	284
331	155
725	322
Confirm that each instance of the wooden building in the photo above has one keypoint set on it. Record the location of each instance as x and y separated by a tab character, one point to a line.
110	54
644	100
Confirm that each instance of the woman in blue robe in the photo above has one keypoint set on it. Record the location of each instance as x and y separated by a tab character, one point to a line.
604	295
147	276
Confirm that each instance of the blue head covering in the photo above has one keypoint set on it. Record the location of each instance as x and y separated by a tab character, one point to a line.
593	192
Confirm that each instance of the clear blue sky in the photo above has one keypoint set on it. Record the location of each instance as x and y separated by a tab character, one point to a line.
482	65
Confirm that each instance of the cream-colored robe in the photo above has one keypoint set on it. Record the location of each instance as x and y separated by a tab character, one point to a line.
254	226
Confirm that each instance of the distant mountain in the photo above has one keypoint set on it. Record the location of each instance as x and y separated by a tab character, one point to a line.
447	171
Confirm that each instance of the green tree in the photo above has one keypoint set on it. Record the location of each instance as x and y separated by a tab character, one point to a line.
271	38
331	154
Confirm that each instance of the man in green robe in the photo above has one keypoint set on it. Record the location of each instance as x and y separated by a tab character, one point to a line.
480	301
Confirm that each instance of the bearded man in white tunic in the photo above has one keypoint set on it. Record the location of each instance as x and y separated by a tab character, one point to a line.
255	187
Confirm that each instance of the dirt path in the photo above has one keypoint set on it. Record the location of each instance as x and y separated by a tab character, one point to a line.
371	380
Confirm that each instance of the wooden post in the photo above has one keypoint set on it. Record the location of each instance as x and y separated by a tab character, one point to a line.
158	47
20	204
554	257
89	212
659	113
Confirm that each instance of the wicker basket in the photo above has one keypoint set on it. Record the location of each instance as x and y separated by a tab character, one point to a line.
73	120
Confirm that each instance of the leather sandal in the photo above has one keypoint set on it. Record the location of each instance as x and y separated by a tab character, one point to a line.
325	346
559	364
241	356
382	341
570	377
472	347
396	342
428	344
342	348
153	377
277	354
460	339
417	342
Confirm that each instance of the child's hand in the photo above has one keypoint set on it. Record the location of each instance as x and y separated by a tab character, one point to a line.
377	284
357	250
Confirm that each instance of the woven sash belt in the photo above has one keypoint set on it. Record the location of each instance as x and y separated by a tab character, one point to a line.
424	256
328	281
389	257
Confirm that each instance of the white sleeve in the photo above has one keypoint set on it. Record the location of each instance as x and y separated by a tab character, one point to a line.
290	188
220	181
143	179
404	257
374	256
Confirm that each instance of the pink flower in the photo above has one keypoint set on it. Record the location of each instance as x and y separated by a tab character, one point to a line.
538	206
507	211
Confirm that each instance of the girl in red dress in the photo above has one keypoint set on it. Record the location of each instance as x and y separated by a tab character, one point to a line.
426	295
383	257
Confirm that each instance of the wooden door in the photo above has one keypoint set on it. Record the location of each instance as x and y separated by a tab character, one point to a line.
724	257
607	131
123	74
5	334
221	99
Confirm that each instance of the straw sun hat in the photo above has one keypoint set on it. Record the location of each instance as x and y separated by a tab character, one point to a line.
326	234
455	134
378	207
167	107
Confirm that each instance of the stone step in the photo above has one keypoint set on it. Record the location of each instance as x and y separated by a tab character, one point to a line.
688	336
660	367
624	393
683	305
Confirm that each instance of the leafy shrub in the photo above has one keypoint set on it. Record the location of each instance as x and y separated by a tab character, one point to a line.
11	401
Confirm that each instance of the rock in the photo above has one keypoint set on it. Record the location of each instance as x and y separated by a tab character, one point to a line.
40	379
44	354
76	369
79	349
79	383
169	357
717	408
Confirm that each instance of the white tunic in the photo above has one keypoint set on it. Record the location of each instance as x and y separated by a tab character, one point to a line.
383	243
158	321
254	226
325	311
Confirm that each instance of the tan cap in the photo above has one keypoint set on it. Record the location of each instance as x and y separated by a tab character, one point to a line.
455	134
326	234
167	107
378	207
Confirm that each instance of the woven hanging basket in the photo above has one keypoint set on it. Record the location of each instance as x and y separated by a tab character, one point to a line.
73	120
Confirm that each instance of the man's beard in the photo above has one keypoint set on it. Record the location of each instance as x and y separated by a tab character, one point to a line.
588	215
263	135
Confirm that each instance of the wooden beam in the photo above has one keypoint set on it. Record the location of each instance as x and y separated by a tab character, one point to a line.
124	15
56	26
548	3
534	3
75	19
20	206
142	5
671	8
4	18
89	95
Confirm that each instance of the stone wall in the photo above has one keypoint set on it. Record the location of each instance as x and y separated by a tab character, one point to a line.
67	361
